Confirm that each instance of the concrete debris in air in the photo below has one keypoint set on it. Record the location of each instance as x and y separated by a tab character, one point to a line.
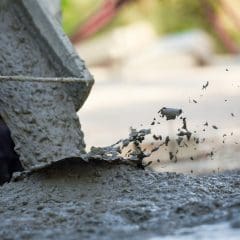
170	113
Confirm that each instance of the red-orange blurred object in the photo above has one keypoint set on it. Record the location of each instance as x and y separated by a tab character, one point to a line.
99	19
109	9
218	26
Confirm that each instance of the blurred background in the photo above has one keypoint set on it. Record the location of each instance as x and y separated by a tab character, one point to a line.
149	54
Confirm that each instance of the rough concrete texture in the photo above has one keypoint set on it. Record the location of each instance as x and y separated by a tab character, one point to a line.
43	123
39	108
61	49
99	200
33	44
22	49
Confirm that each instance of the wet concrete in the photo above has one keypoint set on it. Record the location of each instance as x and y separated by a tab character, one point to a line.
43	82
23	50
100	200
43	122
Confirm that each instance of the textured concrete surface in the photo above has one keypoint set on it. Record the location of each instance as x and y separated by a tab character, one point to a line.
44	83
99	200
35	45
43	123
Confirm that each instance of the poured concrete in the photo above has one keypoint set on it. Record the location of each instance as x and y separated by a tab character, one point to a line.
41	116
104	201
43	84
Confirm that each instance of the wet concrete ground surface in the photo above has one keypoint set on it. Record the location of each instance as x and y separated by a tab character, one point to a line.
78	200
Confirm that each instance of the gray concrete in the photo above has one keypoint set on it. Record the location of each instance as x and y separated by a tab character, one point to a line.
54	7
44	83
103	201
43	123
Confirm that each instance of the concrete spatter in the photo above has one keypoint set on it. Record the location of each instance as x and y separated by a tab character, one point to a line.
100	200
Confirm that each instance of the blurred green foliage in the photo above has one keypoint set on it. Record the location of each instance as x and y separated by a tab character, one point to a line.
76	12
167	16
